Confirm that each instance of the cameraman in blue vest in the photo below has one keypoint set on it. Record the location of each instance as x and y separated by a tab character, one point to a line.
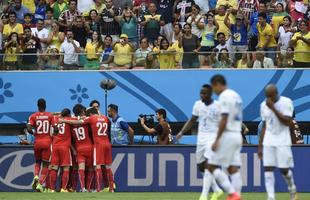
121	132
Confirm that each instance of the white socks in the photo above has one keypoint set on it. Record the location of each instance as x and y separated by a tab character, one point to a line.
289	179
269	184
215	186
236	181
223	180
207	180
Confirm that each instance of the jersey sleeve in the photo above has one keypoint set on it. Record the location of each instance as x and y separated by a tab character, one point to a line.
224	104
196	109
31	120
262	112
124	125
288	108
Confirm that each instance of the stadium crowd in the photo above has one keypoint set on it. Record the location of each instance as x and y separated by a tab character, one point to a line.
154	34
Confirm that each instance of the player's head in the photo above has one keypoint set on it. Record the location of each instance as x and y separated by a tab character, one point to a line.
271	92
205	92
92	111
112	110
161	114
94	104
78	110
66	112
41	104
218	83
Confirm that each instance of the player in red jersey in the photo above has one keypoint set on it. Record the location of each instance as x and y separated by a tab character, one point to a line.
84	148
61	153
100	127
41	122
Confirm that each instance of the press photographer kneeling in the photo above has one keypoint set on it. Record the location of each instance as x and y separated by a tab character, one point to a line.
161	130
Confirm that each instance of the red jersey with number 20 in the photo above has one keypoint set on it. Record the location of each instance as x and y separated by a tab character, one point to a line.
41	122
99	127
81	135
63	137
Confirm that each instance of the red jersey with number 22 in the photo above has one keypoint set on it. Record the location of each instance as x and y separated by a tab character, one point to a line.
99	127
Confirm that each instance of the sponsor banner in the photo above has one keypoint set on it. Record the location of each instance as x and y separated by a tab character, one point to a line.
145	91
151	168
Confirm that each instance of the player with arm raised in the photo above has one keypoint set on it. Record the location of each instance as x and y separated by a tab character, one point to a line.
228	142
206	111
275	141
41	122
83	146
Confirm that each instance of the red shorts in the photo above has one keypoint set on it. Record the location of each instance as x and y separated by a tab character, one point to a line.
61	156
85	155
103	153
42	150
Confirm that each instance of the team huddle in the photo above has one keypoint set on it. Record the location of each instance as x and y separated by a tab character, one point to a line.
78	146
219	139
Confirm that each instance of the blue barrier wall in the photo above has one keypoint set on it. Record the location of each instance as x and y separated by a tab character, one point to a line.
151	168
144	91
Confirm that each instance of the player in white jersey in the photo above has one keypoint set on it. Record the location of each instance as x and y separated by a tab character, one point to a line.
228	142
206	111
275	141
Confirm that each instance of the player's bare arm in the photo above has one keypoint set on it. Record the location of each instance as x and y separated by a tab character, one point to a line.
283	119
261	139
187	126
222	127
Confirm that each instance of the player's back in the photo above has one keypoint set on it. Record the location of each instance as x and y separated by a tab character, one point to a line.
63	137
99	128
41	122
81	135
231	104
277	134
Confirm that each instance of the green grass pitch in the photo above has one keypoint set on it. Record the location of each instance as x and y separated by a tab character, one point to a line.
133	196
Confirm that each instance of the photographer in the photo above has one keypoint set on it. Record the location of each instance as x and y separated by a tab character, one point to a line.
162	130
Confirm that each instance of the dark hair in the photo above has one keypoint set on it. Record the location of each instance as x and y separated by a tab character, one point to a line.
91	111
12	13
290	48
162	112
161	43
187	24
304	21
144	38
207	86
71	1
69	30
281	5
263	15
196	6
108	36
27	28
100	42
92	11
28	15
93	102
41	103
78	109
288	18
219	34
66	112
49	9
114	107
218	78
38	20
179	25
221	53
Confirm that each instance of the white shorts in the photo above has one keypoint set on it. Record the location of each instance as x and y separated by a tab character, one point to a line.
203	149
281	157
228	152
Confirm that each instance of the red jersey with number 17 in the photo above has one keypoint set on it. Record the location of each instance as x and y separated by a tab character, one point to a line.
63	137
41	122
99	127
81	135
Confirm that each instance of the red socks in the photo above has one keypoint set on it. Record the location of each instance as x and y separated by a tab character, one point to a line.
64	179
43	175
111	179
98	179
82	178
37	168
53	178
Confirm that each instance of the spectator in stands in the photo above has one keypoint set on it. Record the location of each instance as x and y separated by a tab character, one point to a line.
121	132
253	32
40	11
30	5
208	39
277	17
93	22
52	61
49	19
41	33
239	34
69	49
284	36
12	26
20	10
301	42
98	5
109	25
67	17
28	22
286	60
183	9
177	34
223	44
93	50
248	7
196	21
294	13
222	60
165	9
140	7
84	6
3	21
262	61
141	53
166	55
246	61
106	58
191	47
122	3
80	30
59	7
220	19
128	22
151	62
11	48
151	23
266	38
55	37
123	53
27	138
229	4
31	45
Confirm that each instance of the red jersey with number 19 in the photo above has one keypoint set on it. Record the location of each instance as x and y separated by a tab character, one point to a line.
99	127
81	135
